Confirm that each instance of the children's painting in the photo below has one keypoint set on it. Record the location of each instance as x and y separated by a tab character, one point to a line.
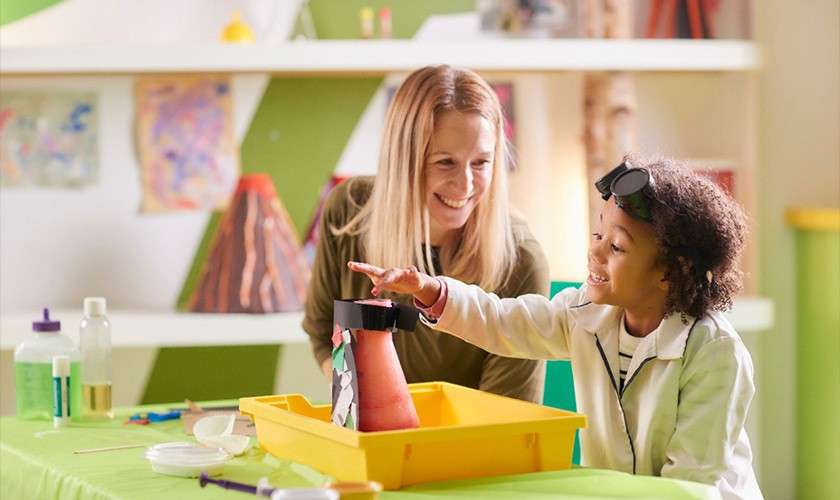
48	139
504	91
187	150
313	233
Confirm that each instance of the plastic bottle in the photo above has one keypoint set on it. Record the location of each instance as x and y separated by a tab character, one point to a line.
33	370
95	347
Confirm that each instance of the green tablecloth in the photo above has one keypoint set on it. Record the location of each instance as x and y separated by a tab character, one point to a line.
38	462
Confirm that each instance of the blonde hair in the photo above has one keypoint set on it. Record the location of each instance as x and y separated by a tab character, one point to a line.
395	220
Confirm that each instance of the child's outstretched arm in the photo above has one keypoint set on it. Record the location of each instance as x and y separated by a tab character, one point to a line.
529	326
408	281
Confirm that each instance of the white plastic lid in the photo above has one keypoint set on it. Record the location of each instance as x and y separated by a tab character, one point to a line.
61	366
95	306
186	459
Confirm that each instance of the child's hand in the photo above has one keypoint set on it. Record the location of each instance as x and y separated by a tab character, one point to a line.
408	281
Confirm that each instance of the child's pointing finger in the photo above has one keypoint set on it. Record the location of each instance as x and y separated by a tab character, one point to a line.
370	270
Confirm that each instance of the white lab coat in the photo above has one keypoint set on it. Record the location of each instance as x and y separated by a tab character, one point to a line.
682	410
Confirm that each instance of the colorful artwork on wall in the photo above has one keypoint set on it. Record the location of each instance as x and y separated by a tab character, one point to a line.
48	139
504	91
187	150
719	171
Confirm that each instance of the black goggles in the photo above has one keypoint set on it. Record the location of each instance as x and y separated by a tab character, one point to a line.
631	187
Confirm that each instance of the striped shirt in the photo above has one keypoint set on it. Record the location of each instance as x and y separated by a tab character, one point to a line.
627	345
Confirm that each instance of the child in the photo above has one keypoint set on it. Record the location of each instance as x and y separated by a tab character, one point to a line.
662	376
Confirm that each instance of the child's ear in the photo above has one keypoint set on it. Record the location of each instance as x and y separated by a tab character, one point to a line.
662	283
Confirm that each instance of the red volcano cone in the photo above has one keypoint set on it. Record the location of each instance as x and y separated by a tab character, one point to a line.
256	264
384	401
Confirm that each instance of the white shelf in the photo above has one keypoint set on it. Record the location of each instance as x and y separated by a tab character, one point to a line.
146	329
385	56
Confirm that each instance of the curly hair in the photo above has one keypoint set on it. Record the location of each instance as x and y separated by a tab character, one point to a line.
701	232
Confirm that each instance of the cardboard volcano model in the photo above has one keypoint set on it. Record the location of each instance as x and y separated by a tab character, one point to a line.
255	264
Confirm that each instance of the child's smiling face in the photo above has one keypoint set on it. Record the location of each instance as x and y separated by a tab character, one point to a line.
623	265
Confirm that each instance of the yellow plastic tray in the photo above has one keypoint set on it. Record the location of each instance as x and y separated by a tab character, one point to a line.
463	433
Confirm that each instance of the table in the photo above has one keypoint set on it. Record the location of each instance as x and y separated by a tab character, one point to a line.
38	462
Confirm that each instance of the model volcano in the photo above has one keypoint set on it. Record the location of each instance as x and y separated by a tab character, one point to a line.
255	264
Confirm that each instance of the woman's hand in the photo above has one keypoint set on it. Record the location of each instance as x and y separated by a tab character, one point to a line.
406	281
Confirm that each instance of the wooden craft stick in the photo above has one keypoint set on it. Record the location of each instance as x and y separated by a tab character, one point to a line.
192	406
111	448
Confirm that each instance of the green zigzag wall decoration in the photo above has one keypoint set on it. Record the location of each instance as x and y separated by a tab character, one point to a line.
12	10
297	136
302	125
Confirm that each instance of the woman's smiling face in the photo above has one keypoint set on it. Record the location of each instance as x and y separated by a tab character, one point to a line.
623	265
459	170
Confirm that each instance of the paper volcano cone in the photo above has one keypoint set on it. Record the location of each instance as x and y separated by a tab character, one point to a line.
256	264
384	402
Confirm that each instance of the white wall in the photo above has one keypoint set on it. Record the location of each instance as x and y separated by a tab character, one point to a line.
56	245
153	22
60	245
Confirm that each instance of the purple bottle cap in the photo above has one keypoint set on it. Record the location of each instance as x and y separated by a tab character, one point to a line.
46	324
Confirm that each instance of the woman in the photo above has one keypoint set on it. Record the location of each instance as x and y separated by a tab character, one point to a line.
439	202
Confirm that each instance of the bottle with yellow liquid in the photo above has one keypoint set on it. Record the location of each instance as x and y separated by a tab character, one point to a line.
95	345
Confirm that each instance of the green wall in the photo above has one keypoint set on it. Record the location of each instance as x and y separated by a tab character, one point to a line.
12	10
340	18
211	373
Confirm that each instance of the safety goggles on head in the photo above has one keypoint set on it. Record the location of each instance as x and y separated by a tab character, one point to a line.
631	187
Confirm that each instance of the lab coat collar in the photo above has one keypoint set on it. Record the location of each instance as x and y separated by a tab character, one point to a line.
666	342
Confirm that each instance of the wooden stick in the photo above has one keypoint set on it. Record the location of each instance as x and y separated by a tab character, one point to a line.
111	448
193	407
